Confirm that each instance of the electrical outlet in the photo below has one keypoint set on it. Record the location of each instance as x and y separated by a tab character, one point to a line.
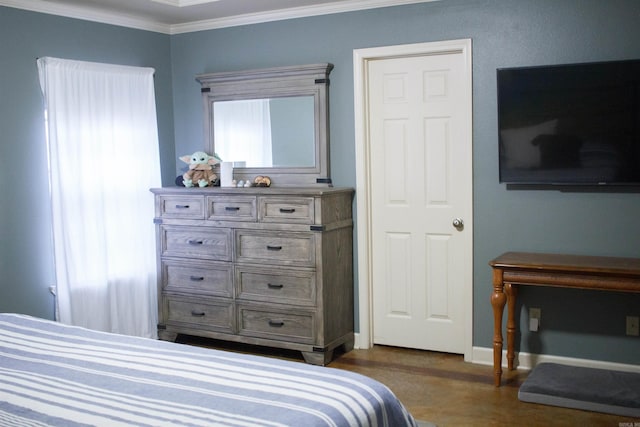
633	328
534	319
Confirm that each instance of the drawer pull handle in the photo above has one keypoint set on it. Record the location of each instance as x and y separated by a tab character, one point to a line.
196	278
232	208
276	323
197	313
272	286
182	206
274	248
289	210
195	242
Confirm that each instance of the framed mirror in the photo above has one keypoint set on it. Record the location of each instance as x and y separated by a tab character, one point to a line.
270	122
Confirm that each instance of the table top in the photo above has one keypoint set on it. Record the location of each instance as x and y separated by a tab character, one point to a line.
568	263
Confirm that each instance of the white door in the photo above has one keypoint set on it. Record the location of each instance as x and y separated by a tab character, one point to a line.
420	184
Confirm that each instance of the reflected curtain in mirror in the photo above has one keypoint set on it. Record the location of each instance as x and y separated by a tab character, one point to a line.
242	131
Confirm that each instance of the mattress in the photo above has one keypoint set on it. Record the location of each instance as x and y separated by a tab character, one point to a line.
54	374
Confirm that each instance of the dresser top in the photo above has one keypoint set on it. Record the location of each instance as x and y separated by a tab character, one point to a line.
253	191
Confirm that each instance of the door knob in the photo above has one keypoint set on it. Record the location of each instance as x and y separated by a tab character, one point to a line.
458	223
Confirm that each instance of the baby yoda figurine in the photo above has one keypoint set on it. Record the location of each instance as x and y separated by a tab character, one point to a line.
200	169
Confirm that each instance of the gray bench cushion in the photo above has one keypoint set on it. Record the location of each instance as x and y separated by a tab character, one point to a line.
590	389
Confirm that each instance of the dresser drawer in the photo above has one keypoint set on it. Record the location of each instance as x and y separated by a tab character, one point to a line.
185	207
275	324
210	278
196	242
282	285
298	210
275	247
210	314
236	208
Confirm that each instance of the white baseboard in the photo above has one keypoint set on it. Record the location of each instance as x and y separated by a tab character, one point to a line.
357	343
527	361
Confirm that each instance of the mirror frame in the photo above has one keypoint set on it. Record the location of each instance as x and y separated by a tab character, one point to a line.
303	80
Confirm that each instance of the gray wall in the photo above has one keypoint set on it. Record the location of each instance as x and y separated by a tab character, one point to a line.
26	258
504	33
292	131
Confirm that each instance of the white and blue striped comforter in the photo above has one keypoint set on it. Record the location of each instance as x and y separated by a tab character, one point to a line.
53	374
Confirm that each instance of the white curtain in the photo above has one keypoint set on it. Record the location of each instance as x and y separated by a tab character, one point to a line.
103	159
242	131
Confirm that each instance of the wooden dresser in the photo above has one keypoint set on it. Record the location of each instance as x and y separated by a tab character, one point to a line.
265	266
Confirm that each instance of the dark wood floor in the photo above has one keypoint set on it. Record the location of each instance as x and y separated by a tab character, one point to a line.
445	390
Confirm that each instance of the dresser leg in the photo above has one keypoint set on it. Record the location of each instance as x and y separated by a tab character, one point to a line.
318	358
167	336
348	344
498	301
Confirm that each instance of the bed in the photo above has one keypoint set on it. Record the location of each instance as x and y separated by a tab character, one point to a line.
54	374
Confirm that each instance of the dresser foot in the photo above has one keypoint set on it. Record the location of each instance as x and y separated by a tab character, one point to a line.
348	344
320	358
167	336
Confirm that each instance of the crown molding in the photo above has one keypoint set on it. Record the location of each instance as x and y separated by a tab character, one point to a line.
86	14
184	3
292	13
123	20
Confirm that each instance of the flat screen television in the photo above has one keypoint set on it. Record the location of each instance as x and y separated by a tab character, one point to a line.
575	124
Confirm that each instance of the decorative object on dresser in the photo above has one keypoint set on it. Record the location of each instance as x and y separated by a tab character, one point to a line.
261	265
200	171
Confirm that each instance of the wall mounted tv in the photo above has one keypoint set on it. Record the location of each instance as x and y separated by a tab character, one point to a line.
576	124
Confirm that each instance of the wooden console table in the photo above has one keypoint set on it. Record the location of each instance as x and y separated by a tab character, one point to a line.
567	271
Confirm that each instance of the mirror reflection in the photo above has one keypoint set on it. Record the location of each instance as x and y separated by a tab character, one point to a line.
269	132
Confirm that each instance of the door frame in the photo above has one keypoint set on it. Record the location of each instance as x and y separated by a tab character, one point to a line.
361	58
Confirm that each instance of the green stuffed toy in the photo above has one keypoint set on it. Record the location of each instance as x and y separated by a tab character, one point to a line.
200	169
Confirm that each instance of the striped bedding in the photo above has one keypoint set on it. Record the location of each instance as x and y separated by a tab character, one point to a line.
53	374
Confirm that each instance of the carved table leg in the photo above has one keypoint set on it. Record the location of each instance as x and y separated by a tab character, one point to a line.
512	293
498	300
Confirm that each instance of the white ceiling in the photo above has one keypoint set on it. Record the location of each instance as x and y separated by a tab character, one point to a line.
181	16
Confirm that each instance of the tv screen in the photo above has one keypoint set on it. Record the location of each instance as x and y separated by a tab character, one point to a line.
570	124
